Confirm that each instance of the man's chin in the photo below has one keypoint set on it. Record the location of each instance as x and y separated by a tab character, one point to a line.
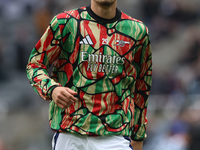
106	3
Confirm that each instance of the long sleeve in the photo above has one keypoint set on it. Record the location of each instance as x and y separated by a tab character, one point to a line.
41	58
142	89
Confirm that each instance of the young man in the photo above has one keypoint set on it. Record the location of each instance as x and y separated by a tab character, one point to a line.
101	78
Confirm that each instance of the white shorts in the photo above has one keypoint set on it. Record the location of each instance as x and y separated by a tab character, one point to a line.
68	141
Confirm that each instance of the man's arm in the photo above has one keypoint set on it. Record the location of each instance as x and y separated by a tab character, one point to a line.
42	56
142	88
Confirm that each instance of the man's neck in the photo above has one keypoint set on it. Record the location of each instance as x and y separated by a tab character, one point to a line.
104	12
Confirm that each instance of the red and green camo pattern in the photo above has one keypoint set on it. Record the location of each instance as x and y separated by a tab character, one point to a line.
109	64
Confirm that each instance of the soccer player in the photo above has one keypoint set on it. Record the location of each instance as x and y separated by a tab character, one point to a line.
100	81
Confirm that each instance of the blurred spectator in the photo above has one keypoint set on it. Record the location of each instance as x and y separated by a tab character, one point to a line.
150	9
43	15
20	46
193	50
2	145
176	138
2	73
194	137
166	16
12	10
188	72
184	12
42	18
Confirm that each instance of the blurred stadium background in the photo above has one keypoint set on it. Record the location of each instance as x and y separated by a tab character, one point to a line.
174	104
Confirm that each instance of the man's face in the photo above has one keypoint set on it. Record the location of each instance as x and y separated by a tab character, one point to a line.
105	2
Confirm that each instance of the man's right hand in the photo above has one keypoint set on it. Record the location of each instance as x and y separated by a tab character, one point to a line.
64	97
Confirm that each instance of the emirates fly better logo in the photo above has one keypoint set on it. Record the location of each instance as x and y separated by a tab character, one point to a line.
100	62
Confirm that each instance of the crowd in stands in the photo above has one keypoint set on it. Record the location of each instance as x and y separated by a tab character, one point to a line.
174	107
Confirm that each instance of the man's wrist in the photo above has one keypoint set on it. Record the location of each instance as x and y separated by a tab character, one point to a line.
52	89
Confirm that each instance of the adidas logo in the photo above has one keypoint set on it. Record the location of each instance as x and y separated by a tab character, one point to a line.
87	41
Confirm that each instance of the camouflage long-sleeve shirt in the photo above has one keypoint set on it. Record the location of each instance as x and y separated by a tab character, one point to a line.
109	64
